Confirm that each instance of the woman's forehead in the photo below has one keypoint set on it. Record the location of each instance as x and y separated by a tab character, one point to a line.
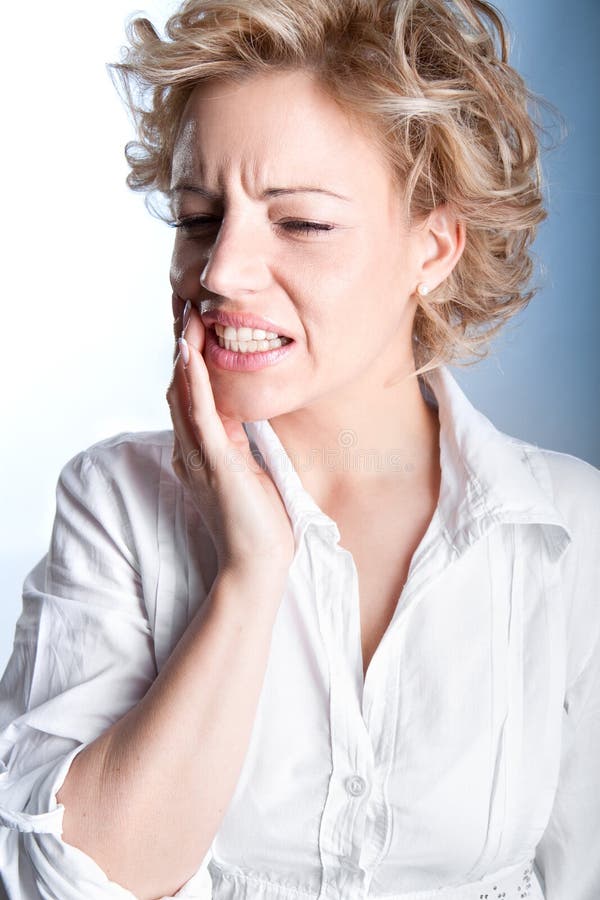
248	125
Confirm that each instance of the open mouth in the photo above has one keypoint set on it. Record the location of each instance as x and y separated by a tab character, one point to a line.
234	355
248	340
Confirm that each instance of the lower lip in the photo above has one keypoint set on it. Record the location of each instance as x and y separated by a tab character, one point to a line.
235	361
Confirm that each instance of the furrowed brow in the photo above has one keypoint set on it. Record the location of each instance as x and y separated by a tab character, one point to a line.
270	192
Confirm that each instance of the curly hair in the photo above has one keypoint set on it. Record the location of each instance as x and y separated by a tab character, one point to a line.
454	120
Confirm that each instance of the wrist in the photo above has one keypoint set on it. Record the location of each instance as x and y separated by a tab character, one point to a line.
252	587
255	568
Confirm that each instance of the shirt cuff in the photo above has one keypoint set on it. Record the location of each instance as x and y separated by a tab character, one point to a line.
64	870
40	857
43	814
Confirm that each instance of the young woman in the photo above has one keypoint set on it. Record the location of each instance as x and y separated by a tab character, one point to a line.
334	627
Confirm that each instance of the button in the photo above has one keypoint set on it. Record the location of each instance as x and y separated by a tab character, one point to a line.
356	785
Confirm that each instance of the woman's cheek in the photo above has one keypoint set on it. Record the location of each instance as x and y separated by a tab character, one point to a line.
186	268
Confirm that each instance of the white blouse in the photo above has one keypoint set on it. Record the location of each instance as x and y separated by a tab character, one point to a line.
465	765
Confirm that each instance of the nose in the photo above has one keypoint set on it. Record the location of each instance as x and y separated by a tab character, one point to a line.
236	263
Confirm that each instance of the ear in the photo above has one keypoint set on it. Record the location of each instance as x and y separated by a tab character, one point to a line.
443	238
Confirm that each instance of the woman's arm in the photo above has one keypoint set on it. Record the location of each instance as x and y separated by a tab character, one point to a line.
146	798
84	660
83	664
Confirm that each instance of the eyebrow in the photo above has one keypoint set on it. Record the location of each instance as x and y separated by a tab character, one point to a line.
270	192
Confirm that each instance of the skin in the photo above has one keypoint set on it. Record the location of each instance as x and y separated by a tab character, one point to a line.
347	295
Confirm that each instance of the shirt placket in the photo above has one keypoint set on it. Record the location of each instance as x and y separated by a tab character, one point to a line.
346	836
356	825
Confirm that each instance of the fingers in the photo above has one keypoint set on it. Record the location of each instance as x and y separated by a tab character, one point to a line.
205	420
178	400
198	427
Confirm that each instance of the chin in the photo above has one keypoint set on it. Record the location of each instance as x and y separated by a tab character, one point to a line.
251	408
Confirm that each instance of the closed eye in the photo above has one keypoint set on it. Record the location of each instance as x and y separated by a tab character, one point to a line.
306	226
192	222
199	222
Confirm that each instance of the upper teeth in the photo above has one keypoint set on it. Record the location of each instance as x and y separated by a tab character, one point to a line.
229	333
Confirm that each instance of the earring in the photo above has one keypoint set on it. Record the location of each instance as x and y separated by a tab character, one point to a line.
422	289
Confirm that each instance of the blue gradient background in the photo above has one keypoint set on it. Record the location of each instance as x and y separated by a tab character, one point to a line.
540	382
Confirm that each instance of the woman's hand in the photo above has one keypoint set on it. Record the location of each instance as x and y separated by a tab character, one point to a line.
236	498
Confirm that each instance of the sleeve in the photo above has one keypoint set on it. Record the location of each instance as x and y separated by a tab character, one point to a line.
83	655
568	855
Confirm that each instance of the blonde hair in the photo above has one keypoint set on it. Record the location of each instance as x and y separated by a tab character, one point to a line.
450	114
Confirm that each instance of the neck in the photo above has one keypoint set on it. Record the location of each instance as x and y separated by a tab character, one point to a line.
387	438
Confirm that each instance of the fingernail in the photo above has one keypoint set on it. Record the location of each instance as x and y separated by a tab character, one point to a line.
184	350
186	312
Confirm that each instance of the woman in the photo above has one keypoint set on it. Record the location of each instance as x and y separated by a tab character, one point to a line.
334	627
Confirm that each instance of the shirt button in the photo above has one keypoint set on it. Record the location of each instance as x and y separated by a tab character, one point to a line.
356	785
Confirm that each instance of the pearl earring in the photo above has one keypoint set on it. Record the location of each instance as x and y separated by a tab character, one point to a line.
422	289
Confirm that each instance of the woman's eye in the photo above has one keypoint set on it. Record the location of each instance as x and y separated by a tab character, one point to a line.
193	222
306	227
199	222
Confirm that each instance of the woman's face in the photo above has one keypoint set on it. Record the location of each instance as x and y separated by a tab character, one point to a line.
342	294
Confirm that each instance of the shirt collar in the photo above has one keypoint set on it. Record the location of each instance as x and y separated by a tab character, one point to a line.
487	476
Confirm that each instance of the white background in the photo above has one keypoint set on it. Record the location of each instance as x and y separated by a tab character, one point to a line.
86	299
